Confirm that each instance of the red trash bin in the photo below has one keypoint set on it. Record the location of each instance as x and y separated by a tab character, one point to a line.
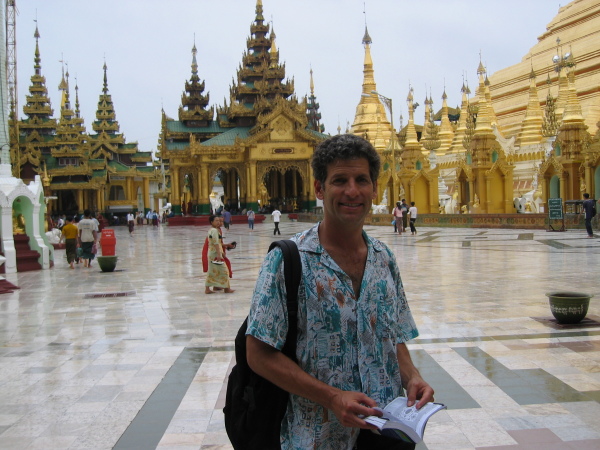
108	241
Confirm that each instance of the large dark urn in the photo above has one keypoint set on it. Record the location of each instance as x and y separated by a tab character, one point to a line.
569	307
107	263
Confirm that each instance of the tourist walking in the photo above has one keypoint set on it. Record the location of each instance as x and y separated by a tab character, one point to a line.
130	222
217	276
589	209
250	215
397	213
226	218
412	212
353	322
276	218
69	234
88	237
404	208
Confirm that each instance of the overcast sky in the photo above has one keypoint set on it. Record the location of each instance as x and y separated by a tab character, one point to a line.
147	47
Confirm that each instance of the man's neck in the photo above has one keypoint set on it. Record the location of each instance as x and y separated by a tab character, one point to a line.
334	237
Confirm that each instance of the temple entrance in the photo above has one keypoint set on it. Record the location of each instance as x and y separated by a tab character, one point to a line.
66	203
225	191
282	190
554	187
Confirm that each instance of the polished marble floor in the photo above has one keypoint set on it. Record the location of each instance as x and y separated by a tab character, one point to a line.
138	358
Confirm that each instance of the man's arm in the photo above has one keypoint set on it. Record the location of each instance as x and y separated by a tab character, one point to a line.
273	365
416	387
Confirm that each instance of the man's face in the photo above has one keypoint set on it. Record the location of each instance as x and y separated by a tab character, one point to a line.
348	191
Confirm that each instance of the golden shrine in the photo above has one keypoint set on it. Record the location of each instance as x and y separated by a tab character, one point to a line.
505	150
80	171
258	145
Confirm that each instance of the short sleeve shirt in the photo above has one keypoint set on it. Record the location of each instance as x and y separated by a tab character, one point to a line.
344	341
276	215
86	226
250	215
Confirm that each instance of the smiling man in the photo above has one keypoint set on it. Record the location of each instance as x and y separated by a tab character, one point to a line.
353	317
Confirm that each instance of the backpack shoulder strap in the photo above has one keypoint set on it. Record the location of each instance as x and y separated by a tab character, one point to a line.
292	270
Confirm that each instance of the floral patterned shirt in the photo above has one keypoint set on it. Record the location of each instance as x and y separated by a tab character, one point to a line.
343	341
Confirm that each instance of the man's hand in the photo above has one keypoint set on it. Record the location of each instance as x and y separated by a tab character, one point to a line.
351	407
417	388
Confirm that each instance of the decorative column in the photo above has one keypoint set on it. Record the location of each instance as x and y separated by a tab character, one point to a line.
204	200
175	191
80	200
146	194
251	200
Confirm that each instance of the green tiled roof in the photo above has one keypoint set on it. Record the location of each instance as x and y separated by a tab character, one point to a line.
145	169
228	138
179	127
318	134
99	173
142	155
119	167
177	145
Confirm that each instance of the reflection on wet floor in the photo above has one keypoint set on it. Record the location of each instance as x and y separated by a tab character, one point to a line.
139	358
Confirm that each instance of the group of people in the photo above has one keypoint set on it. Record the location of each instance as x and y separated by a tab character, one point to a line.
80	234
401	213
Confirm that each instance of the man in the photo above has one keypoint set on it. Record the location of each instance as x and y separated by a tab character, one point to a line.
404	207
251	216
412	212
130	222
88	237
588	210
276	218
353	318
226	218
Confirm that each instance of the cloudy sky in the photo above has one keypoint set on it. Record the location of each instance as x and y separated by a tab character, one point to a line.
147	47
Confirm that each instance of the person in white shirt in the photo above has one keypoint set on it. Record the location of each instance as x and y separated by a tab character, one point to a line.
412	212
130	222
88	236
276	218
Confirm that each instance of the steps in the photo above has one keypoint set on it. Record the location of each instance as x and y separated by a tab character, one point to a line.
27	259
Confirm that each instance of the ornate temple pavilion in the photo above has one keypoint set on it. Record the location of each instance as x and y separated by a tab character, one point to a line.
258	144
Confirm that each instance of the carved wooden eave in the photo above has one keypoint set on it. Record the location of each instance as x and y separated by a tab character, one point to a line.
100	152
82	169
214	152
264	167
72	185
467	169
34	136
429	175
551	163
68	152
502	165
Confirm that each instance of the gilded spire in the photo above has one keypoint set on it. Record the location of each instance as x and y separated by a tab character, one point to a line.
105	114
531	129
312	109
193	102
461	129
370	111
446	133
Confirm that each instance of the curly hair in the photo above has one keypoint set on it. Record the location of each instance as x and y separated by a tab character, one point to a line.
344	147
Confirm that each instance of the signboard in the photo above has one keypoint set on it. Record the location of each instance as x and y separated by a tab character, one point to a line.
555	208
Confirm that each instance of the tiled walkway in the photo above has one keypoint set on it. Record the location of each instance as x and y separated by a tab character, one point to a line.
144	365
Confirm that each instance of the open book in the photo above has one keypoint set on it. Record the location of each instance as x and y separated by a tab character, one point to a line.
402	422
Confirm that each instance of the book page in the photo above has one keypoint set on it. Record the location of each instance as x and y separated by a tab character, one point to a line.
411	416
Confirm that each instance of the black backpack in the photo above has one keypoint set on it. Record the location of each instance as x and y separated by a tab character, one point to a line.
254	407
